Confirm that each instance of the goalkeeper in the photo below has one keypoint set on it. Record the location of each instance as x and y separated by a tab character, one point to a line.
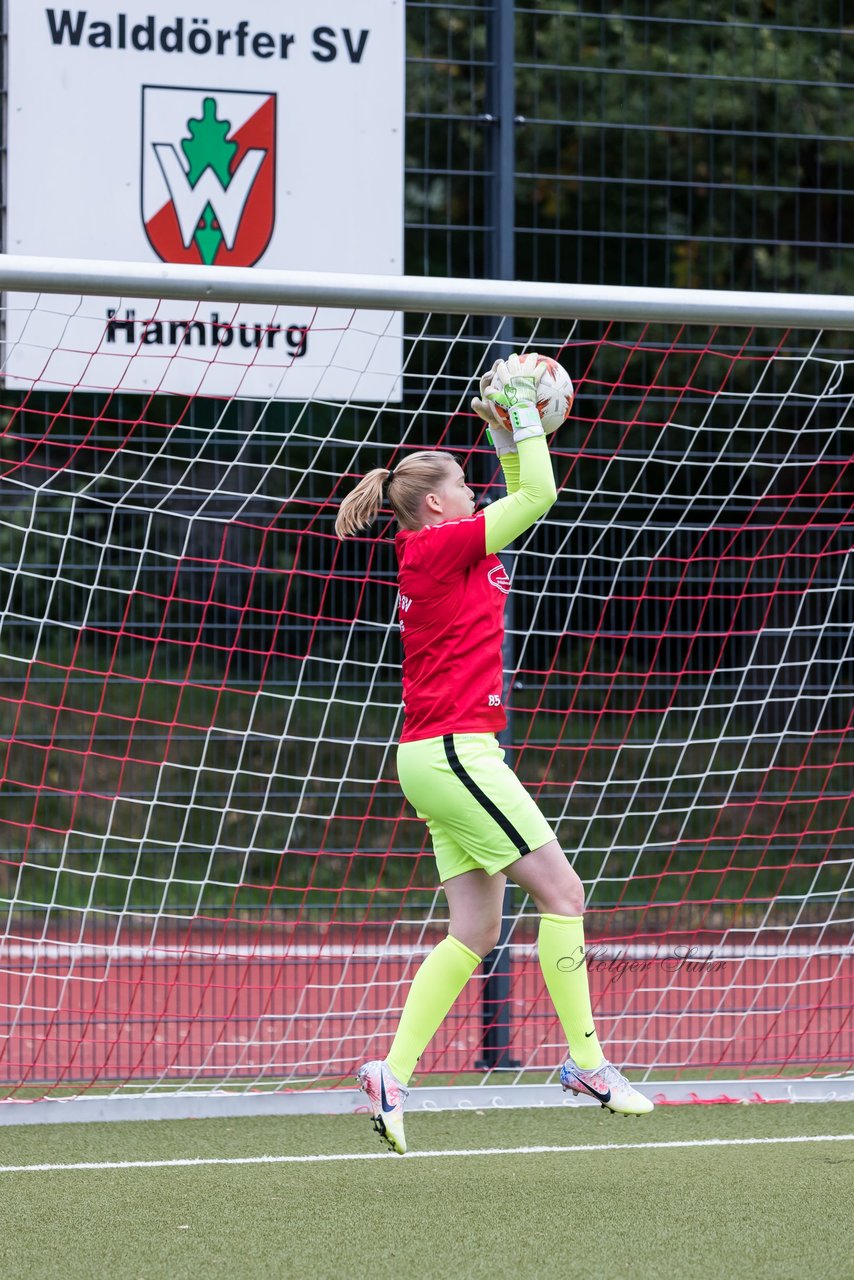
483	824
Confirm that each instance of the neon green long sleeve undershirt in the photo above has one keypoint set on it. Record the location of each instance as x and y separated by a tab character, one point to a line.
530	493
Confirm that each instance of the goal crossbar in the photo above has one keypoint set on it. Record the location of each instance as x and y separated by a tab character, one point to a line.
417	293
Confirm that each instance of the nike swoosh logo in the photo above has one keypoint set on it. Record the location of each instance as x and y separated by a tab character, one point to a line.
384	1099
603	1097
588	1034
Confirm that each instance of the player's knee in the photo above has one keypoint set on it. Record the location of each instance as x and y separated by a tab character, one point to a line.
480	938
490	937
566	898
575	896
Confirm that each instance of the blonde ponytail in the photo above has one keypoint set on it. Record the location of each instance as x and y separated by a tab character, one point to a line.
408	485
362	506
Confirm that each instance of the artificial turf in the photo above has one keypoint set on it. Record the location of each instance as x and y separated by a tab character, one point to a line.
723	1211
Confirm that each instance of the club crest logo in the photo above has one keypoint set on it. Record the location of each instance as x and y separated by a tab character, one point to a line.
208	174
498	577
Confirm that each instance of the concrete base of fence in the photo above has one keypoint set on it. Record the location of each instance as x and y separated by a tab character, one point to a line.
186	1106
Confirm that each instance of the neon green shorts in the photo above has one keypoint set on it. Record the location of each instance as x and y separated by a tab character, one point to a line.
478	812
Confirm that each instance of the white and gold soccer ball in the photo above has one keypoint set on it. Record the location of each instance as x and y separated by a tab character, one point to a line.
556	394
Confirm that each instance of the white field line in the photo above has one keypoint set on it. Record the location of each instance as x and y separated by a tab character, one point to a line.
199	1161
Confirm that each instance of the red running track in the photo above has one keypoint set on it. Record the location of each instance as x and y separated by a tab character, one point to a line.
213	1007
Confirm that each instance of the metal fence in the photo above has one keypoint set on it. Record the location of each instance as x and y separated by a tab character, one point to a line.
681	145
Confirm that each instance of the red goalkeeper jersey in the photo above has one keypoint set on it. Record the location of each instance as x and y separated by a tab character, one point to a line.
451	607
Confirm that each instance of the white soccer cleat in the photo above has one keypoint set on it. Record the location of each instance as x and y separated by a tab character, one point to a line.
386	1096
607	1085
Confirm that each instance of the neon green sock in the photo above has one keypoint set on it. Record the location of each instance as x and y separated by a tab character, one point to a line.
434	989
562	960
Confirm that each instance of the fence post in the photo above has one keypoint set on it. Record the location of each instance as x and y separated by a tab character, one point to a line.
501	47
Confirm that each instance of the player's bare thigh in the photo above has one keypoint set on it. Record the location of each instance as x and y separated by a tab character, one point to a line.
546	874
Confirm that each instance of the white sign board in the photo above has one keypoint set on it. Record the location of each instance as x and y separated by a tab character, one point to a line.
258	134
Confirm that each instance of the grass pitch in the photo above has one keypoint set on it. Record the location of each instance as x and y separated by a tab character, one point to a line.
756	1191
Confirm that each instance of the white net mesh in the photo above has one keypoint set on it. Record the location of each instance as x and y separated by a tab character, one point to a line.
209	874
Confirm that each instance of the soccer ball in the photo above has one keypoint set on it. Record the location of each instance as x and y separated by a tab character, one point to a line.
556	394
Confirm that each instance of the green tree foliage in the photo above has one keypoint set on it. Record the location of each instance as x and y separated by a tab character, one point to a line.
677	144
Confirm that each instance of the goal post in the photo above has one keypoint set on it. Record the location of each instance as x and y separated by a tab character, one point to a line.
214	895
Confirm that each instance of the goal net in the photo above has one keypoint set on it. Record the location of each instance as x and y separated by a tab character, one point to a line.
210	878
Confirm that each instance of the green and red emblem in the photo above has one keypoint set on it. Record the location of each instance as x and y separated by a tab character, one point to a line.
208	174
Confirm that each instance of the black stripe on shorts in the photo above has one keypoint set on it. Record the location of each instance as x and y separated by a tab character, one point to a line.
480	796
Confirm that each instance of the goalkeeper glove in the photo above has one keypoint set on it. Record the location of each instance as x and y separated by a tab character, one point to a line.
518	379
496	433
